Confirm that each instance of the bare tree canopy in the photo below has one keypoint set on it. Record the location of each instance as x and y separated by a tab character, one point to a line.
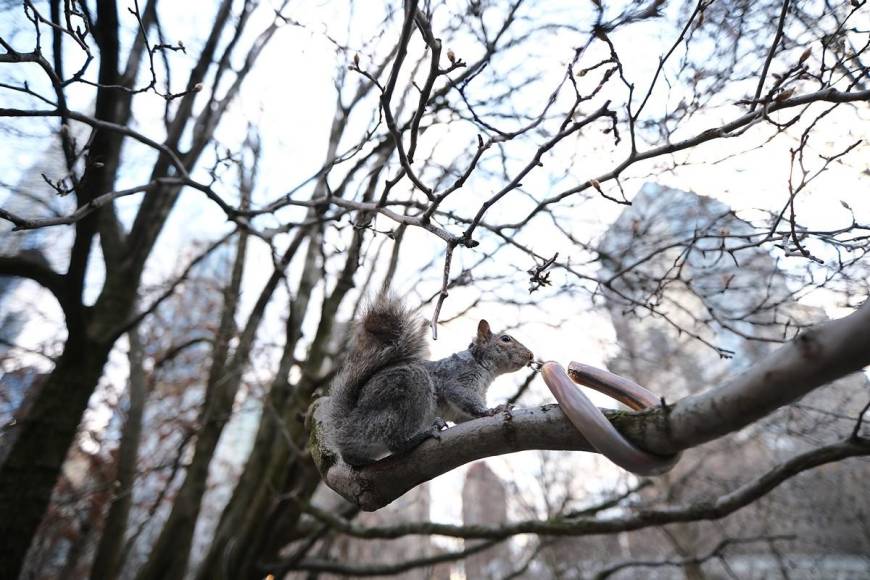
197	198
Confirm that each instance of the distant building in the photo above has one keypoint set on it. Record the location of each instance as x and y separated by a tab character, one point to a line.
484	501
826	508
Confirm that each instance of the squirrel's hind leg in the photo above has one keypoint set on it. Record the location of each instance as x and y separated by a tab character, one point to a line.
356	460
411	443
357	452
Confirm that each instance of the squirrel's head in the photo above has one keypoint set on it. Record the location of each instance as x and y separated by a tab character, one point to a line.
499	351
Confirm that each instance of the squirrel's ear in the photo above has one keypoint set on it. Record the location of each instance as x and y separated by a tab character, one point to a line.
483	331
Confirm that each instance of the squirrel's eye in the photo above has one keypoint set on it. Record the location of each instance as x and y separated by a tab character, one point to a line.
504	338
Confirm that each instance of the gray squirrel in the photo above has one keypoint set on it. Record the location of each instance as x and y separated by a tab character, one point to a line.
388	398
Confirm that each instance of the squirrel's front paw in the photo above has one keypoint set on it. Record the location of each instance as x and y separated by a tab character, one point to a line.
503	408
437	426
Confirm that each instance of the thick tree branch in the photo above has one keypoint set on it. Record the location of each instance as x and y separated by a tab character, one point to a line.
815	358
31	264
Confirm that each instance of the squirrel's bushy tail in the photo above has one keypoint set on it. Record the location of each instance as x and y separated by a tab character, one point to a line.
385	333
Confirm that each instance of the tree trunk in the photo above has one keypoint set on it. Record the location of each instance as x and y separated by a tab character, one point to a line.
108	558
247	502
31	467
171	553
251	500
300	483
260	528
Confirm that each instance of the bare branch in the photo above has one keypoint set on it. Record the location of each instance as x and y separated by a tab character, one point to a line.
31	264
714	509
713	553
337	567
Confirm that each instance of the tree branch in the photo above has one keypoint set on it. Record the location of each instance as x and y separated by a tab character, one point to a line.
715	509
830	95
716	552
31	264
349	569
816	357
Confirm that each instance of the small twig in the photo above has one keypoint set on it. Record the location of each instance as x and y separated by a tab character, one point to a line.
857	429
445	281
777	37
